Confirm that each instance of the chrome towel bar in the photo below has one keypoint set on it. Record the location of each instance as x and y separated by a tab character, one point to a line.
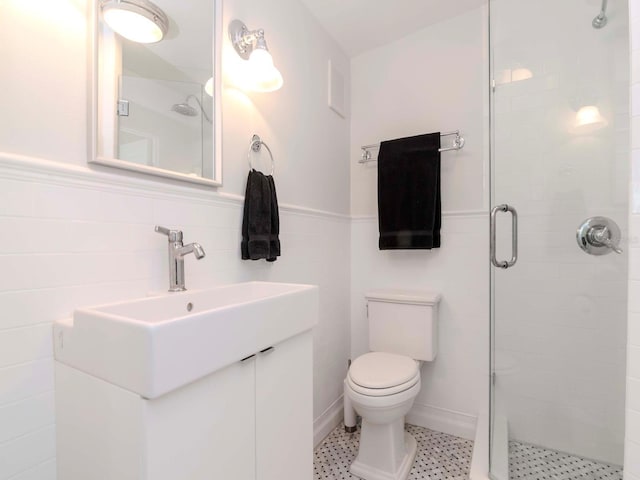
458	143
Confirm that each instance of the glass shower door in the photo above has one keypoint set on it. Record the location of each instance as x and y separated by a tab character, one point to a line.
559	130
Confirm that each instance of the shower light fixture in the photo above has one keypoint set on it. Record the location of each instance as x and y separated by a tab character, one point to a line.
140	21
252	46
589	119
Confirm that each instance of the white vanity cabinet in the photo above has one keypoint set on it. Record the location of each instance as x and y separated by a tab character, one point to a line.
284	411
249	420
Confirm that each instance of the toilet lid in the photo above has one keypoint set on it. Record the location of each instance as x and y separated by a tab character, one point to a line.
382	370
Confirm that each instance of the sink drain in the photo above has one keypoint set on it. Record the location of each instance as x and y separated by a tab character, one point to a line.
189	306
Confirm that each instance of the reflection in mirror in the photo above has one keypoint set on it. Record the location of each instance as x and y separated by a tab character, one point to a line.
157	102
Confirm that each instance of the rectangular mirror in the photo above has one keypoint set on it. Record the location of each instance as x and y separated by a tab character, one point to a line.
156	105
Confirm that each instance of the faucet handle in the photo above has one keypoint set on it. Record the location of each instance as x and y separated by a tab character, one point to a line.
174	235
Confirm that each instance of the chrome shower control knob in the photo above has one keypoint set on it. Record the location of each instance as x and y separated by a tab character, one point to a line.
599	236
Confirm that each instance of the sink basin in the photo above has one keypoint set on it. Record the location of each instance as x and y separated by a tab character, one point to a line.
154	345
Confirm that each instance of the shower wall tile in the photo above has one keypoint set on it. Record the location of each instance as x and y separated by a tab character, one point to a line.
633	394
634	11
634	328
635	99
633	424
633	369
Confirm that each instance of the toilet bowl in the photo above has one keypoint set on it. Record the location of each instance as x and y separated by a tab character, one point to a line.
382	385
381	388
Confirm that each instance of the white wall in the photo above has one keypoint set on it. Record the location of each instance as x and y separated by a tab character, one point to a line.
632	437
432	80
77	236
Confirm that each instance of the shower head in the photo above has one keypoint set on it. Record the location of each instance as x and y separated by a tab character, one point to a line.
601	20
184	109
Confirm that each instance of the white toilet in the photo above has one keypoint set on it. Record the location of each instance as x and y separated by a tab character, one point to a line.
382	385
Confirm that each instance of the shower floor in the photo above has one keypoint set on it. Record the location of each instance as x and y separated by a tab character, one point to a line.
535	463
439	457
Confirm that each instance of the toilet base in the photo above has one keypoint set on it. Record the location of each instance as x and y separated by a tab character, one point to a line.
367	472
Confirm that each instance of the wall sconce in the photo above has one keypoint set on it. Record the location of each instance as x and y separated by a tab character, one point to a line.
251	46
137	20
589	119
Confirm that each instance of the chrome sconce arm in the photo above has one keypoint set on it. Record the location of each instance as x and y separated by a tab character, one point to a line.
245	40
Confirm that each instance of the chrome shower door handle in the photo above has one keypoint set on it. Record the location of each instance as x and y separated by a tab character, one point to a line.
514	236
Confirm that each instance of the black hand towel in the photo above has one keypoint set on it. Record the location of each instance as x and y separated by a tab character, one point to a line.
260	221
409	212
274	240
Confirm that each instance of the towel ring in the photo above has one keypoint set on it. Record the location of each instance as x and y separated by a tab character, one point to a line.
255	146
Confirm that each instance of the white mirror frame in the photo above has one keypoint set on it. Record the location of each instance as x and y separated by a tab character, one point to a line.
94	110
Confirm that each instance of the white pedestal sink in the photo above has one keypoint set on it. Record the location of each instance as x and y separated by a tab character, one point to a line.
214	383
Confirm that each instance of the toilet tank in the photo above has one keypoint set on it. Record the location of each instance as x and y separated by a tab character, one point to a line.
403	322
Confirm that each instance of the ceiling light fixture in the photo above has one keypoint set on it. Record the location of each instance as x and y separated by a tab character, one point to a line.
252	46
140	21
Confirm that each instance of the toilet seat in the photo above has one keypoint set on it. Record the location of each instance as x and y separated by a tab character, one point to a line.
378	374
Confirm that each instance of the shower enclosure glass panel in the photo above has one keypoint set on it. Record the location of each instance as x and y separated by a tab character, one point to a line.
560	152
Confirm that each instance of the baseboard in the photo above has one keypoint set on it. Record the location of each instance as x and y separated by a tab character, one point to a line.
327	421
442	420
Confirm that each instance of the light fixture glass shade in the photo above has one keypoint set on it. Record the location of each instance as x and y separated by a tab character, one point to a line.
520	74
208	87
589	119
265	77
137	20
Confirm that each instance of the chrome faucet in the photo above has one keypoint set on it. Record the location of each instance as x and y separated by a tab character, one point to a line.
177	252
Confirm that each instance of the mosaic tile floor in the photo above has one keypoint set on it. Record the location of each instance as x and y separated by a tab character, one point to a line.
439	457
535	463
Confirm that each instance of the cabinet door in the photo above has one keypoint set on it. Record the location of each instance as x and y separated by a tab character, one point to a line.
284	411
204	431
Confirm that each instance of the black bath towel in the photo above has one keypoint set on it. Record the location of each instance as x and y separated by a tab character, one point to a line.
409	212
261	220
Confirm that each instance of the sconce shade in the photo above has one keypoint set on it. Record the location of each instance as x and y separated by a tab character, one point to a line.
261	73
137	20
265	76
589	119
